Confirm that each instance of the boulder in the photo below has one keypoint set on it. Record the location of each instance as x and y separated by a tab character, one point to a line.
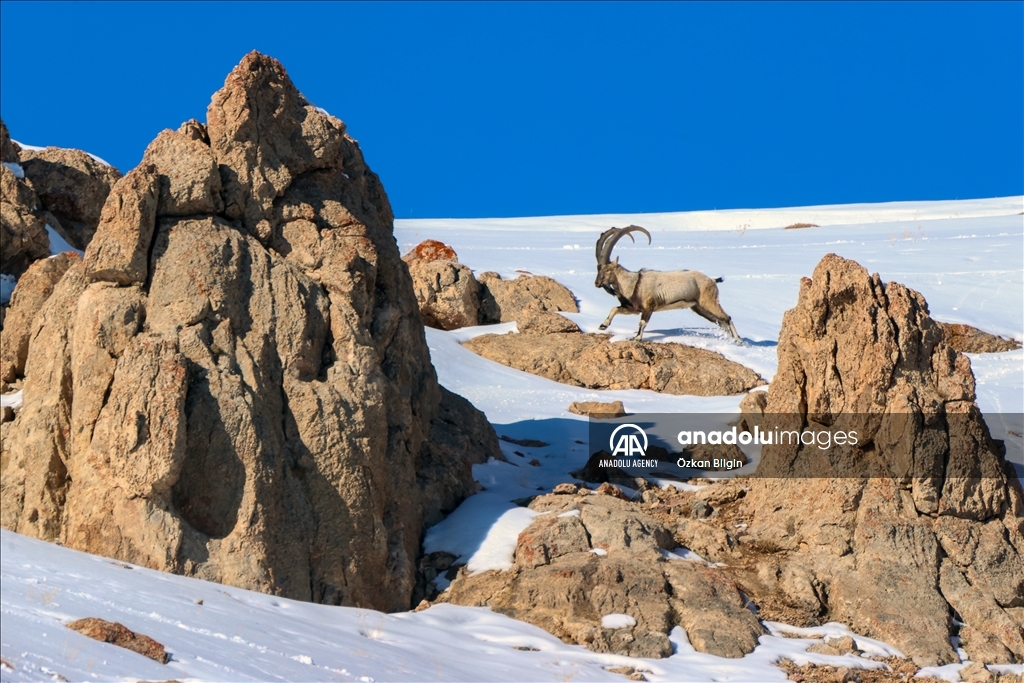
431	250
120	635
559	583
23	237
597	409
450	296
969	339
120	251
207	396
592	361
187	170
988	622
72	186
447	292
752	410
882	534
503	301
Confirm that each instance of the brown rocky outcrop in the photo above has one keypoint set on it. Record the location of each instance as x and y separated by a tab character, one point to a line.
235	383
559	582
187	171
34	287
120	635
431	250
9	150
597	409
503	301
447	292
450	296
592	361
919	521
969	339
73	187
23	237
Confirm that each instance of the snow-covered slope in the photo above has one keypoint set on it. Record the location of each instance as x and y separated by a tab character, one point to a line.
966	258
217	633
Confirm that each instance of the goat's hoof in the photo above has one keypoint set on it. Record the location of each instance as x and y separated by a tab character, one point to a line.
602	327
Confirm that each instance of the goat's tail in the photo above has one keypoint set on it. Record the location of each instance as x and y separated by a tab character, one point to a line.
719	279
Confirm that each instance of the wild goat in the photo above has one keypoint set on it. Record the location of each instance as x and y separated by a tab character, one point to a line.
647	291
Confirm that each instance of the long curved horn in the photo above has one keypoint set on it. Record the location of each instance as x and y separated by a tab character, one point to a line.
609	244
599	247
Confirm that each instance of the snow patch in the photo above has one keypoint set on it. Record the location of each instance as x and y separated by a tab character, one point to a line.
684	553
16	169
13	400
102	161
833	630
28	148
33	148
498	549
58	245
617	621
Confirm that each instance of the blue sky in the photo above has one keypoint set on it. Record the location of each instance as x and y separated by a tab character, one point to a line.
493	109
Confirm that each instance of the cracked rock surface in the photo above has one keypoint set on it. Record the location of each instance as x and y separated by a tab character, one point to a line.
234	384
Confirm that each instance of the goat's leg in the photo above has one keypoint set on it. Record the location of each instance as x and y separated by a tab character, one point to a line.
718	317
709	308
644	319
614	312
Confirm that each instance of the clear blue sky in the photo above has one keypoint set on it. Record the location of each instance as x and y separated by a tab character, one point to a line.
470	110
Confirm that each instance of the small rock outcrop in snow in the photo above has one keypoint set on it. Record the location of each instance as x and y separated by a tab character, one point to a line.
450	296
560	583
969	339
120	635
597	409
505	301
235	382
592	361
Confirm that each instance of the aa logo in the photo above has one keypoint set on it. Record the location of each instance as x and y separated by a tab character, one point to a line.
628	440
